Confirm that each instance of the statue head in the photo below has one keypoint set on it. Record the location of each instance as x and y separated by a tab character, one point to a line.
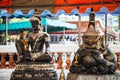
36	22
91	36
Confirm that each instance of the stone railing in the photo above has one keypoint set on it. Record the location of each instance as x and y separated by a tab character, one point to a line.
62	55
60	59
7	60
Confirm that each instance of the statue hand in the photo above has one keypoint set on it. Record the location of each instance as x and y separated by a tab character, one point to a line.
32	56
110	64
48	53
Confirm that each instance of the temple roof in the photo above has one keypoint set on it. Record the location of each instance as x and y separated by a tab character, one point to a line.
83	28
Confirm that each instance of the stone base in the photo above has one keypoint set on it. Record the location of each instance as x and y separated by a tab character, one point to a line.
34	71
72	76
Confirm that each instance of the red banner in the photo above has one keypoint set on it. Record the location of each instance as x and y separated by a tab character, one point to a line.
82	8
117	0
5	3
59	2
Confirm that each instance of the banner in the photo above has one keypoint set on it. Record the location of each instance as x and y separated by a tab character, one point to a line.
5	3
60	2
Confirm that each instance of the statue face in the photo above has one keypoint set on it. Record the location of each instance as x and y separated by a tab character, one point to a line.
90	40
36	24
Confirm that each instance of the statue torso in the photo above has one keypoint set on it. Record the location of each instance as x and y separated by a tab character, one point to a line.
37	41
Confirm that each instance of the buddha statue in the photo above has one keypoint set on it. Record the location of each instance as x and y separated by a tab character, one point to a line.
34	63
36	40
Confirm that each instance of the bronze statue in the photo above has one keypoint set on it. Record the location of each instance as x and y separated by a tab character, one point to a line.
93	56
34	63
36	39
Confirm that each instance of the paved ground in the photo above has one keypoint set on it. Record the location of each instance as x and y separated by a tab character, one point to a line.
5	74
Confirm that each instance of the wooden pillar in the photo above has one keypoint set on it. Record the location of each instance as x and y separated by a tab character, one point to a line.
11	60
59	60
118	60
3	60
68	61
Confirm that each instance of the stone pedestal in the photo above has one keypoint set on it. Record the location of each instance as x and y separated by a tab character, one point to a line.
34	71
72	76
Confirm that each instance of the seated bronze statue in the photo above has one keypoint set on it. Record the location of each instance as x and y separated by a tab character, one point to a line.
36	39
93	56
34	61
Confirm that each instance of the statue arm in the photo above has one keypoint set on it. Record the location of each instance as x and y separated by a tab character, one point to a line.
29	40
47	43
100	58
19	47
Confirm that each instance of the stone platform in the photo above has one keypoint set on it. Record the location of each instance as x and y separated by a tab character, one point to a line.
72	76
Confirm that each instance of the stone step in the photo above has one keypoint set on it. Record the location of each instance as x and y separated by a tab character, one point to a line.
72	76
